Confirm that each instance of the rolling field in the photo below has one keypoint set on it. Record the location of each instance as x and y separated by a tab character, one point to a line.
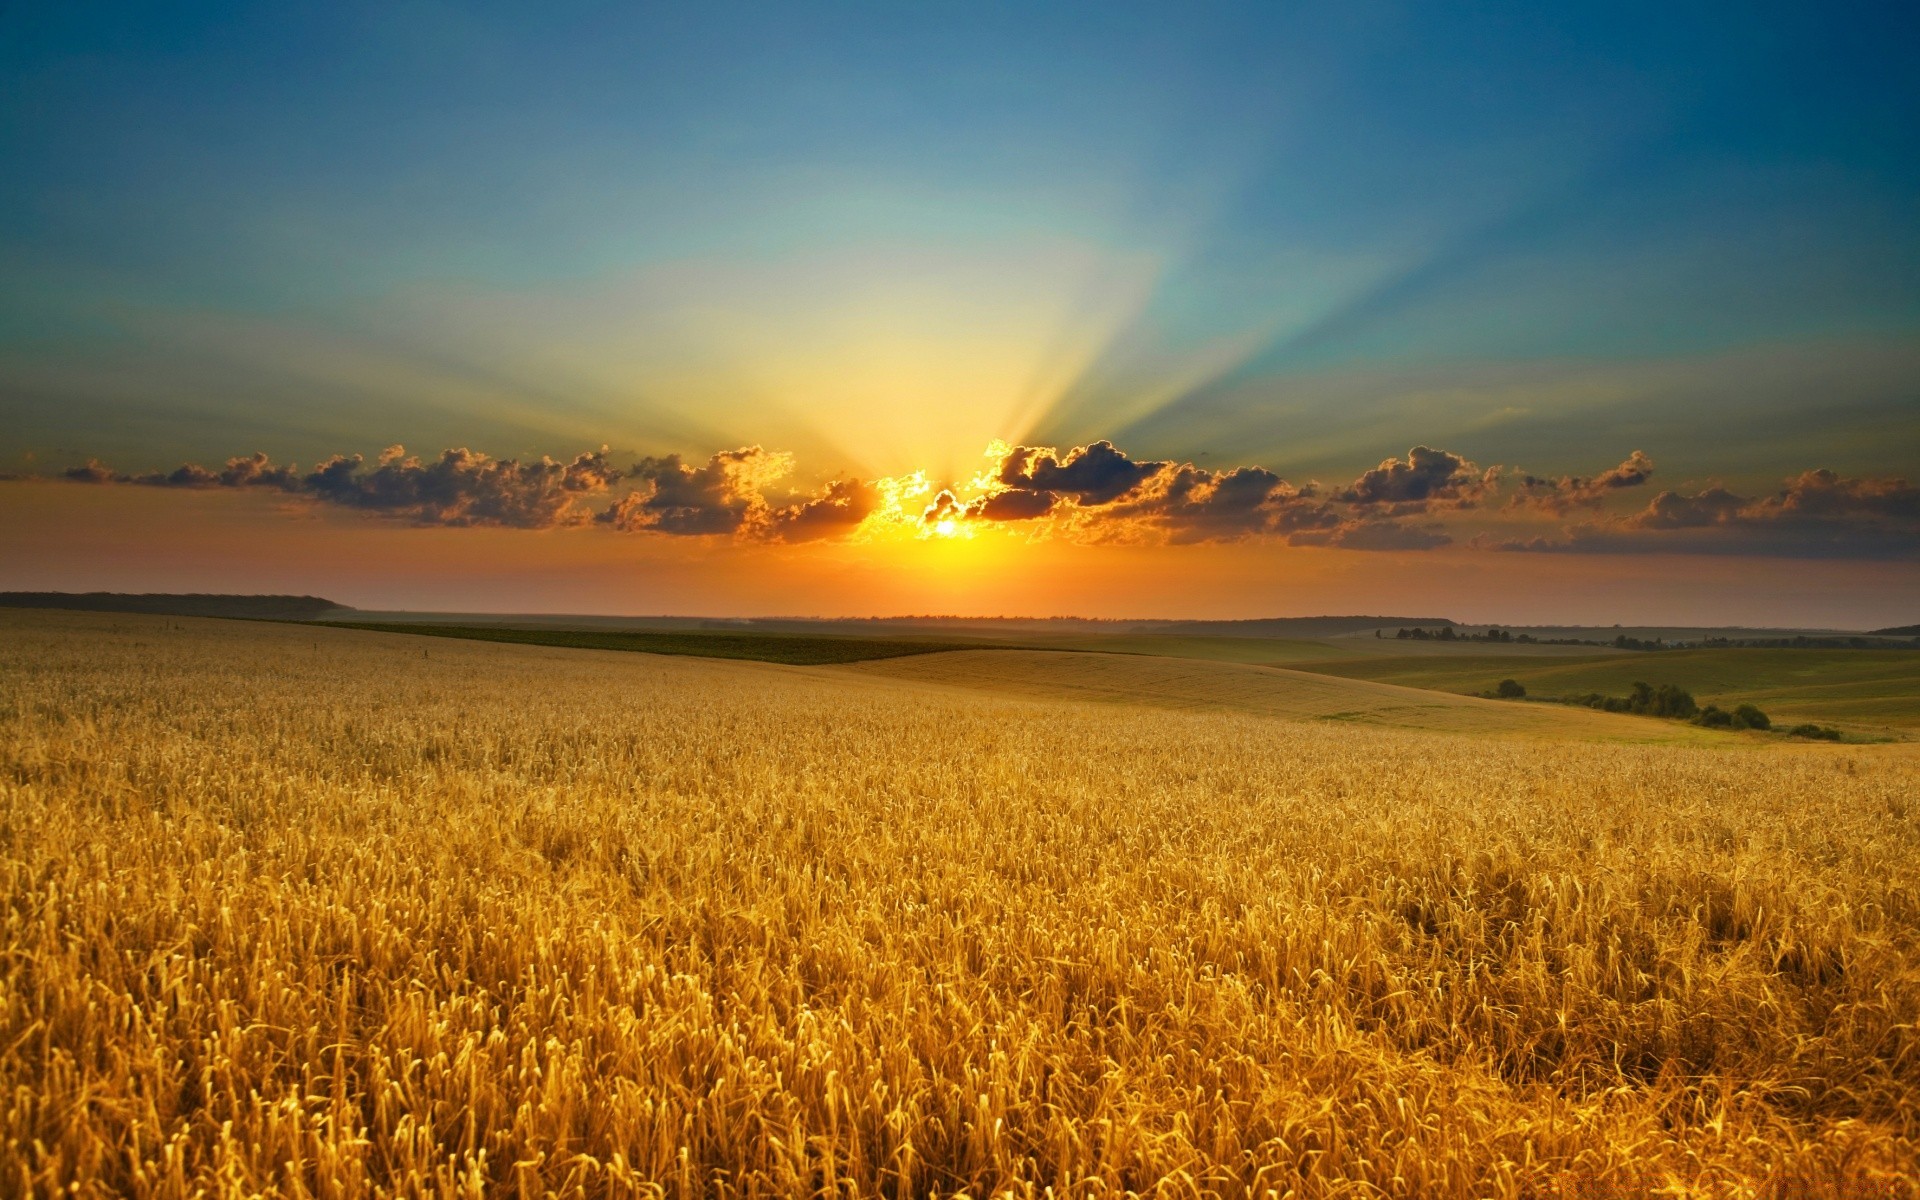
1210	686
1876	691
781	648
1221	649
298	911
1268	651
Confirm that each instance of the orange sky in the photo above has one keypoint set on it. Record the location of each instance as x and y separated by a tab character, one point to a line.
68	537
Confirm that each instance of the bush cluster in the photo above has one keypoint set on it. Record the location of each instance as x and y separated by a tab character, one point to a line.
1821	733
1674	702
1667	700
1744	716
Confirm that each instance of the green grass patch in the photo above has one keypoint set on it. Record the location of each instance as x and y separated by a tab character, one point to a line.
794	649
1860	688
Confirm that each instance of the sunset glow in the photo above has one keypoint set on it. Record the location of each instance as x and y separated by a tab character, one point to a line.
1019	600
1251	294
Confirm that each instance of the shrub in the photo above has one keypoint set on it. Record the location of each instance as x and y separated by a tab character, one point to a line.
1667	700
1746	716
1671	701
1714	717
1817	732
1510	689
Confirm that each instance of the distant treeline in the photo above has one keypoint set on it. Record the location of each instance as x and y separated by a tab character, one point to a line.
1624	642
1507	638
1670	701
1853	642
190	604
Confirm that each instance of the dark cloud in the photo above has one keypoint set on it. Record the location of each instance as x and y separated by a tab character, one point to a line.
1098	491
94	471
1428	479
1573	491
460	487
1015	504
254	470
1090	475
463	487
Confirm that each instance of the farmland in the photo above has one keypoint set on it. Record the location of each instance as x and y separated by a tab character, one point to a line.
781	648
1145	682
302	910
1875	691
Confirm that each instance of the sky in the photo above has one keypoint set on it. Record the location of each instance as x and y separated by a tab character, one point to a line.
1524	313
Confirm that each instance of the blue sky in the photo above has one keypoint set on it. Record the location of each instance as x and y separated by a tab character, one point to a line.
876	236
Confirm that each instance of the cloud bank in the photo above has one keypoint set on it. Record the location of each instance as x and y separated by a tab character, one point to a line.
1429	499
1817	514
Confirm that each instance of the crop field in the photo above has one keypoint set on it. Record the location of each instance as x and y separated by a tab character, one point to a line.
300	911
781	647
1873	691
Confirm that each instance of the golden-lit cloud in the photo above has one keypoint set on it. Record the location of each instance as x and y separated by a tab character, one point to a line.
1815	514
1573	491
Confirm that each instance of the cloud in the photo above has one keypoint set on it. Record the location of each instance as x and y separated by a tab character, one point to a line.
1192	504
1091	475
1824	495
1091	493
464	487
721	496
838	509
1429	479
254	470
1015	504
460	487
1097	492
1568	492
94	471
1674	510
726	496
1817	514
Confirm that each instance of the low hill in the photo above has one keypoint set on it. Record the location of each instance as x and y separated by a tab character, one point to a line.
998	628
797	649
180	604
1196	684
1290	627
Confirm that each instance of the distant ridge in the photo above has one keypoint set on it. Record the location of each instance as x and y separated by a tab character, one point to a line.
1309	627
1900	631
924	626
191	604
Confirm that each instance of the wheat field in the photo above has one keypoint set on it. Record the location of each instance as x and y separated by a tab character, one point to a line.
335	913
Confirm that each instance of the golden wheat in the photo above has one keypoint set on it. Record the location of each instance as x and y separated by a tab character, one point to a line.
344	914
